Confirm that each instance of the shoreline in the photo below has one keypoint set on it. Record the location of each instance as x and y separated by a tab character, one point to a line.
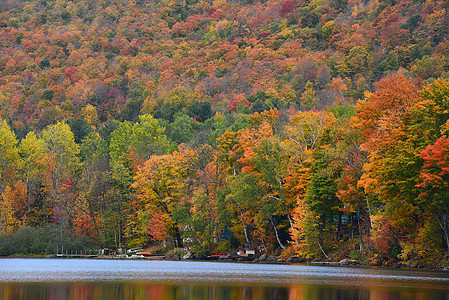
343	263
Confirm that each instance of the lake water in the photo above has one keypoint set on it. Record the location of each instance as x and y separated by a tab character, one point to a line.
96	279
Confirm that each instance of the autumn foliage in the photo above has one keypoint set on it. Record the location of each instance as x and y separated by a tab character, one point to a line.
313	128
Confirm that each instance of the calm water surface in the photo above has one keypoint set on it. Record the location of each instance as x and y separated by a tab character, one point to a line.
141	279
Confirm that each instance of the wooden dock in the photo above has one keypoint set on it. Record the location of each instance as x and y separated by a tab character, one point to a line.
74	255
80	254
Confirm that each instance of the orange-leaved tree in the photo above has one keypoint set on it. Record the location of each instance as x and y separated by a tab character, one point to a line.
301	136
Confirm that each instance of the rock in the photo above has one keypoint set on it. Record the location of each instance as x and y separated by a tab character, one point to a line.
200	256
263	257
348	261
297	260
271	258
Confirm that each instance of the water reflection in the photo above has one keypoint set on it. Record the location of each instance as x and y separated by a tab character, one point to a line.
69	279
137	291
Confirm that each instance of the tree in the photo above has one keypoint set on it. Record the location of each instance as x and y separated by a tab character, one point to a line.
130	146
393	167
287	7
160	186
302	134
120	142
208	175
429	67
431	119
9	161
147	138
121	179
241	200
265	164
308	98
32	150
201	111
435	182
80	129
94	188
379	115
178	99
324	208
301	137
182	129
271	166
203	221
357	60
397	124
62	161
14	207
90	115
356	201
322	197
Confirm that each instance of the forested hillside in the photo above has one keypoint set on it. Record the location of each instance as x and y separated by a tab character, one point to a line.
316	129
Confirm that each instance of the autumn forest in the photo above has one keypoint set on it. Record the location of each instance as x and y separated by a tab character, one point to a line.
314	129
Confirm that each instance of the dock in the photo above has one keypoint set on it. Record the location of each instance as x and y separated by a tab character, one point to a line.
80	254
74	255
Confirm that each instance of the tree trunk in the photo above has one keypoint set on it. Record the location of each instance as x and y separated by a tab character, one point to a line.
245	230
443	221
263	244
244	226
339	233
360	230
92	214
369	214
277	234
291	226
321	248
351	229
178	236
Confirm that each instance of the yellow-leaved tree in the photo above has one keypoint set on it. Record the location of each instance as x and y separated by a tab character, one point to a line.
9	162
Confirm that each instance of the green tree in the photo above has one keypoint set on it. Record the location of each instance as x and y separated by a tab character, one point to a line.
121	180
80	129
148	138
94	186
33	150
130	147
178	100
322	195
182	129
240	200
429	67
271	166
201	111
62	163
